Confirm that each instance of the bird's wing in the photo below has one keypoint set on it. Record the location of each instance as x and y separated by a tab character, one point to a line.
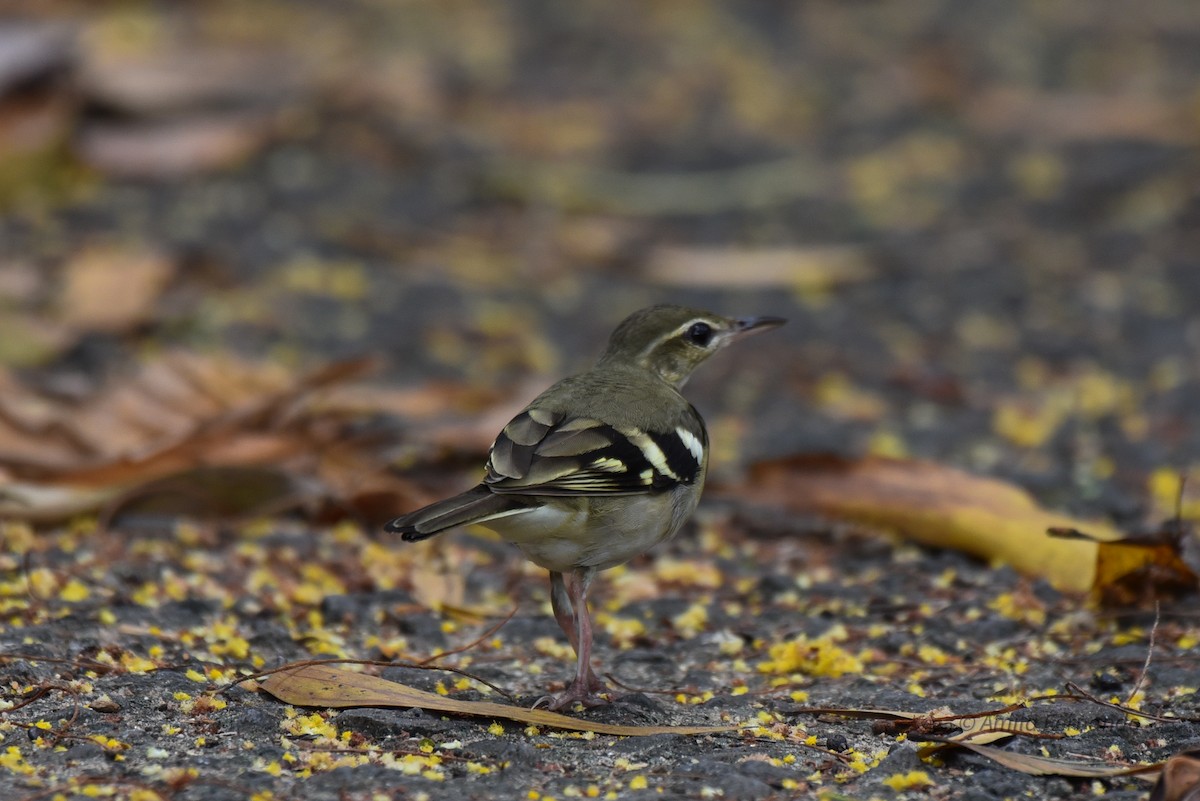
551	453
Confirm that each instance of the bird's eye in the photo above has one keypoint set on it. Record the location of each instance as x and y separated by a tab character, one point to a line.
700	334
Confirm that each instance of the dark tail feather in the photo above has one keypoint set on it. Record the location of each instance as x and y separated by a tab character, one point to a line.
472	506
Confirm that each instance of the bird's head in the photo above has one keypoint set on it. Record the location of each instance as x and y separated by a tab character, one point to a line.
671	341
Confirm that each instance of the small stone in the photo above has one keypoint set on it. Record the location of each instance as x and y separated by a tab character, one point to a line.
837	742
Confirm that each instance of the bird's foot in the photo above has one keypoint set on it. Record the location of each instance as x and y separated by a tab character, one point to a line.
590	692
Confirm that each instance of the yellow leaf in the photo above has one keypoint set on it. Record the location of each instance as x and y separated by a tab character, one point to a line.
938	506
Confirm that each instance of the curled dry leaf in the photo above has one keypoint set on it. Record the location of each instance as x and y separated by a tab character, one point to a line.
937	506
1130	569
183	416
338	688
1180	779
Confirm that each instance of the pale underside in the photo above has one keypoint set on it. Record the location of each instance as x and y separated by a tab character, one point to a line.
596	533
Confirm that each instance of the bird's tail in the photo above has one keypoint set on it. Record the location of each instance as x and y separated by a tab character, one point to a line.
473	506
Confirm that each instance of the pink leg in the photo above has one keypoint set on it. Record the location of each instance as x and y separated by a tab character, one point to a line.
560	602
578	628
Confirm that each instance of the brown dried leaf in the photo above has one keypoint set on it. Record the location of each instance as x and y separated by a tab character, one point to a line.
812	269
217	492
113	289
934	505
337	688
975	727
1137	567
991	728
1047	766
1069	117
865	713
174	148
47	504
182	76
1126	572
1180	779
180	413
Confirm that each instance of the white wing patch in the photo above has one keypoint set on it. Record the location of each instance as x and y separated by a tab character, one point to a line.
651	451
693	444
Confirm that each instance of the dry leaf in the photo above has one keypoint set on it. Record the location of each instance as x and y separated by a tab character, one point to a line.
224	492
1126	573
1180	779
176	147
113	289
182	76
1048	766
984	730
1065	116
812	268
337	688
975	727
1131	569
991	728
47	504
180	413
937	506
864	713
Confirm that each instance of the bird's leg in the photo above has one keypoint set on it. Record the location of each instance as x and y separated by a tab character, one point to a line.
564	613
586	684
560	602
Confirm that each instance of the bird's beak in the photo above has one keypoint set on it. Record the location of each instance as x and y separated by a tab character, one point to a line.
745	326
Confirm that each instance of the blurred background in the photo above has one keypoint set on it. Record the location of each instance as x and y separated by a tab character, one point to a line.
983	219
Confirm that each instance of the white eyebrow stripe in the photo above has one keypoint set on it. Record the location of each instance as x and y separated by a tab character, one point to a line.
678	332
693	444
652	452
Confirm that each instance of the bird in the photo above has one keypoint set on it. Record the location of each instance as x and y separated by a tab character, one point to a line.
599	468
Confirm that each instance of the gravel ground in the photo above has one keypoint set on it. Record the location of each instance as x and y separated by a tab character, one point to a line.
987	217
723	627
